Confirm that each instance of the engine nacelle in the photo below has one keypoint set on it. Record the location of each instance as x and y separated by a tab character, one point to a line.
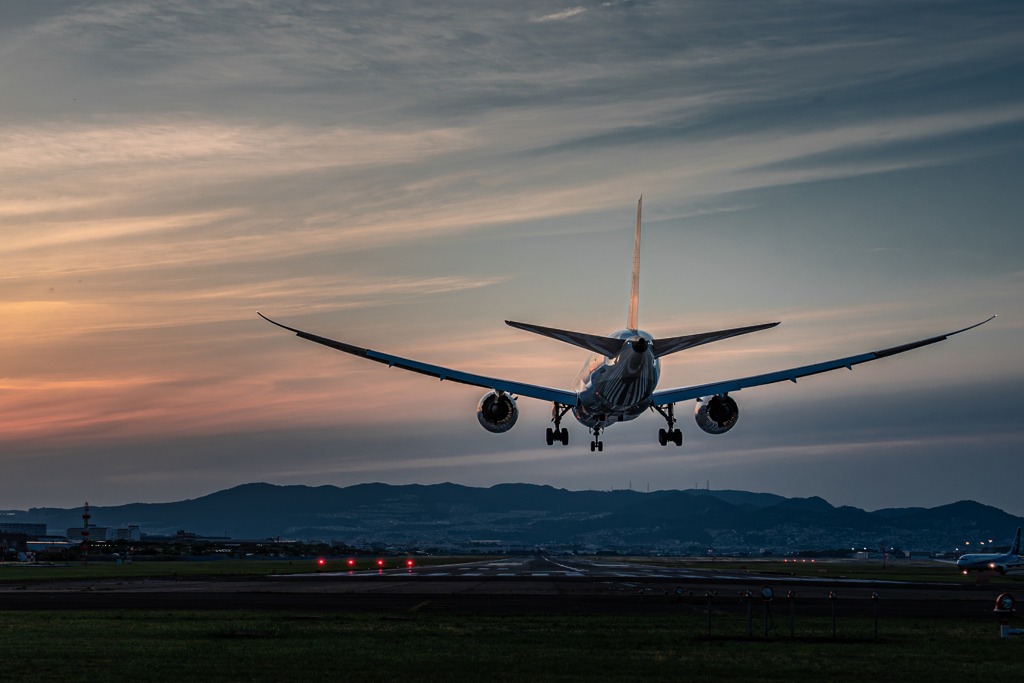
718	414
497	412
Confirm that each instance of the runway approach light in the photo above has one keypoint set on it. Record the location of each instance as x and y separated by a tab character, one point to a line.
321	562
380	563
408	563
767	593
1004	603
351	563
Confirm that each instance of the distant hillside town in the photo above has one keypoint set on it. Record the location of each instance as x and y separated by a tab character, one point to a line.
510	518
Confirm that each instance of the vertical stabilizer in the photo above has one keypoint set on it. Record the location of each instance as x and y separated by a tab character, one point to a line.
634	296
1015	548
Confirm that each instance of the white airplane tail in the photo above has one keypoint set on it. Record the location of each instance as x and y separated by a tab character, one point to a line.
1015	548
634	295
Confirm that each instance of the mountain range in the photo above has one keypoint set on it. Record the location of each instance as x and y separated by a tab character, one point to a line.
445	515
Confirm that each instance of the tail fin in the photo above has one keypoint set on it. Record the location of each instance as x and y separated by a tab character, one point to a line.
634	296
1015	548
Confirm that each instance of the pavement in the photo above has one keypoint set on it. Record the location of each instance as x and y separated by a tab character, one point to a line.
523	585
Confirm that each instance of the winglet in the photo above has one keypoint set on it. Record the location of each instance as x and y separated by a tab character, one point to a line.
290	329
634	295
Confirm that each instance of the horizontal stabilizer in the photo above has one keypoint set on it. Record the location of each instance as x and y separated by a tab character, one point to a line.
606	346
663	347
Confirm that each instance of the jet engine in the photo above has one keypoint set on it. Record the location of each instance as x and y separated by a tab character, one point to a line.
718	414
497	412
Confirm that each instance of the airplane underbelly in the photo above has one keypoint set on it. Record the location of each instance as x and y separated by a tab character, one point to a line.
615	400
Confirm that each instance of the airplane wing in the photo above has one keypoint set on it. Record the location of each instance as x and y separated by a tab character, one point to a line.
667	396
543	393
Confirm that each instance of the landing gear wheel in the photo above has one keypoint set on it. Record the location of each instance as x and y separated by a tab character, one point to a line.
673	435
559	433
593	446
600	445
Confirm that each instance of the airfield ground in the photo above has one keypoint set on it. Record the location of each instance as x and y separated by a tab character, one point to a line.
506	619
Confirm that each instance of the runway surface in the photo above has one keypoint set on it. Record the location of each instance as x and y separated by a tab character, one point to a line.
538	584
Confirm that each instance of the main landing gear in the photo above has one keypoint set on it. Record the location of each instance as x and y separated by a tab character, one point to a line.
560	434
673	435
596	430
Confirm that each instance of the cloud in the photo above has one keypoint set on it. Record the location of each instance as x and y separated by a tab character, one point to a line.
406	178
558	16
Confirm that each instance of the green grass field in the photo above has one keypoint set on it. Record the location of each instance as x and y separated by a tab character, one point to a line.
419	645
110	570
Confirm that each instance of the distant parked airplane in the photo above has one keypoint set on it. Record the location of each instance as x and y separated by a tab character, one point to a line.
998	562
618	381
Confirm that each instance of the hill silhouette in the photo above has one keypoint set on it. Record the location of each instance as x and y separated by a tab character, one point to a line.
526	514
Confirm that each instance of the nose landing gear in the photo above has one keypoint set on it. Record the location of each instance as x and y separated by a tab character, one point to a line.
560	434
673	435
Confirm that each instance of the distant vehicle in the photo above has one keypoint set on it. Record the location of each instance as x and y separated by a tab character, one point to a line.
618	381
1000	563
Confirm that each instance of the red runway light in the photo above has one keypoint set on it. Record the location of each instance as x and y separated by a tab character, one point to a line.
380	563
320	562
351	562
409	562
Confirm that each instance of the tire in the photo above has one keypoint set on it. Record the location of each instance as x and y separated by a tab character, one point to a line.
565	436
593	447
677	437
662	437
600	445
549	436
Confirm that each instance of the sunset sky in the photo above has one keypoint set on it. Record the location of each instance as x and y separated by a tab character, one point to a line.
405	176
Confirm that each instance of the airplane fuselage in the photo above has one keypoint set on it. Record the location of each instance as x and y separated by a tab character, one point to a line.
618	388
980	562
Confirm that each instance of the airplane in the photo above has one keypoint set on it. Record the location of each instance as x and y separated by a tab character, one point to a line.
619	380
999	562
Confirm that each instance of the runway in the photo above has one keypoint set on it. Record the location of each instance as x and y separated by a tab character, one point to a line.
537	584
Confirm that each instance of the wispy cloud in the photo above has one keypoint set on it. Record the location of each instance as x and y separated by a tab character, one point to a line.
558	16
411	176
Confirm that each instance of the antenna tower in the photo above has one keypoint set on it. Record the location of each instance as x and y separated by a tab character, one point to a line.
85	533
